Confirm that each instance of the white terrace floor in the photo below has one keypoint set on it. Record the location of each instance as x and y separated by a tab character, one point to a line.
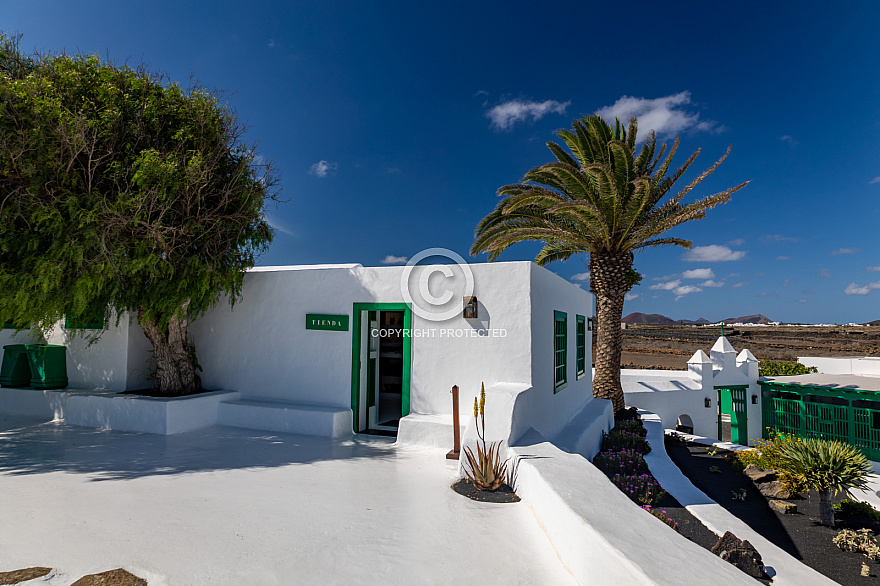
231	506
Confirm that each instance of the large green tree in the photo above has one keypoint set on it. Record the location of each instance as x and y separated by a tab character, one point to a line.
123	193
604	198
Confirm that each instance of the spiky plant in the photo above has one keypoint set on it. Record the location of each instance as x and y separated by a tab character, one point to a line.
604	199
487	471
827	467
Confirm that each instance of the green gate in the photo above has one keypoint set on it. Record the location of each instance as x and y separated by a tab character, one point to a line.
732	405
846	415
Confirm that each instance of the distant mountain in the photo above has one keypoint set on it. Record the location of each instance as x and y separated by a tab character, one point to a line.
655	319
876	322
749	319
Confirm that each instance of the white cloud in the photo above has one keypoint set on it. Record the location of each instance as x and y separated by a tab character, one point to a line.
392	170
786	138
845	251
684	290
580	276
394	260
630	296
271	43
665	116
783	258
769	294
875	269
738	285
787	283
779	238
712	253
802	300
808	292
711	283
322	168
825	274
875	180
666	286
737	242
853	289
698	274
506	114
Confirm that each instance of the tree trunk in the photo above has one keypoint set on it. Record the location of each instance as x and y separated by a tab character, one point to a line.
608	282
175	371
826	510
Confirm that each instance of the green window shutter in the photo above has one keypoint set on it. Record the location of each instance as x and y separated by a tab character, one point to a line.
581	346
560	350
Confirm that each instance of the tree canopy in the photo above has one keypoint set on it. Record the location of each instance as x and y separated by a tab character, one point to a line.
121	191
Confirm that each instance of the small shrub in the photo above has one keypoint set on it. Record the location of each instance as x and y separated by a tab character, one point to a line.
625	462
862	541
616	440
632	426
626	415
848	508
766	455
643	489
662	516
714	469
739	495
784	368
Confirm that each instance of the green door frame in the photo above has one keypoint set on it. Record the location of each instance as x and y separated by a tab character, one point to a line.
357	308
728	398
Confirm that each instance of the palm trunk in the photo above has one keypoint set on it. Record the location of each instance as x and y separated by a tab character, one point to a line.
826	510
175	371
608	282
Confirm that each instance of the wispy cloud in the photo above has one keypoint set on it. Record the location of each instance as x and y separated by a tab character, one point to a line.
802	300
712	253
698	274
271	43
769	294
853	289
323	168
506	114
808	292
665	116
630	296
276	225
788	139
875	180
711	283
825	273
778	238
787	283
669	286
580	276
783	258
874	269
685	290
845	251
739	285
394	260
736	242
392	170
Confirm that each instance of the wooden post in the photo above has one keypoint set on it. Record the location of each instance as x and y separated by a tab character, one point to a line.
456	430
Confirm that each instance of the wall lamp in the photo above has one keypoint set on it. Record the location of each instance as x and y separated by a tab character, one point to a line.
707	402
470	308
754	399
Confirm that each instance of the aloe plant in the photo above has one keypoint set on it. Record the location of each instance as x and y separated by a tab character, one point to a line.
487	471
827	467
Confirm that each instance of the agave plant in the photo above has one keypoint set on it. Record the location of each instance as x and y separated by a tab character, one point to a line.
826	467
487	471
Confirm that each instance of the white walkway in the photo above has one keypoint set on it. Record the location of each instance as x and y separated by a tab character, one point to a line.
788	571
230	506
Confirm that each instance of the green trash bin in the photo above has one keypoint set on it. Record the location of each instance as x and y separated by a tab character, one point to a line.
15	370
48	366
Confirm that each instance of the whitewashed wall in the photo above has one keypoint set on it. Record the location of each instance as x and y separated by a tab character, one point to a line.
855	365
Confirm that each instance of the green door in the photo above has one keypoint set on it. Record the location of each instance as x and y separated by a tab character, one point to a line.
732	416
367	377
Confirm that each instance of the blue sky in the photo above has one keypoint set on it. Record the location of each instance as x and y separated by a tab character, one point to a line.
394	124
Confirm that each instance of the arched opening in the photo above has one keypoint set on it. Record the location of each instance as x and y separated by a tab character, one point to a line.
684	424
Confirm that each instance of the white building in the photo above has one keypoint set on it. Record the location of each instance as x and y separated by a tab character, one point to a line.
331	350
717	396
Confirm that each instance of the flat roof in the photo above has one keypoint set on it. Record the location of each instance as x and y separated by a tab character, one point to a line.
352	265
852	382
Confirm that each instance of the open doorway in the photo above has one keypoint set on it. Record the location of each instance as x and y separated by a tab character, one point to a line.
381	367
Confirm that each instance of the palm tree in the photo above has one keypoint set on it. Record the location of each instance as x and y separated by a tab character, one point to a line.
603	199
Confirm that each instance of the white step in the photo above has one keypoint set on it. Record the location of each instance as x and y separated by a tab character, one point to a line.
298	418
433	431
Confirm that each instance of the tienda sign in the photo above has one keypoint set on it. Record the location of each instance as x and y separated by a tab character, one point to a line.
320	321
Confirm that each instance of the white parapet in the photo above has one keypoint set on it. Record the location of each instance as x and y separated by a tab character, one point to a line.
302	419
